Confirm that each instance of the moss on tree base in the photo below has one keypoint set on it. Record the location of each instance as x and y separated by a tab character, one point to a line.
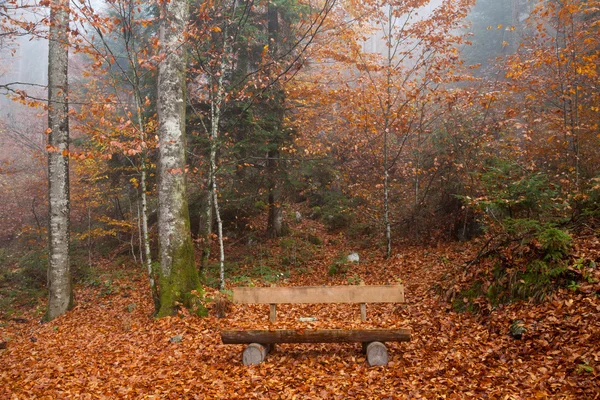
181	288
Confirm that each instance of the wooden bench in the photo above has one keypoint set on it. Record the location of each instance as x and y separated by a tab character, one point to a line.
261	342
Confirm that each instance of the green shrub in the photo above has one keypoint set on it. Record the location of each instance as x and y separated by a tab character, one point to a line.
555	243
268	274
312	239
523	214
260	205
339	266
360	230
4	257
337	218
316	213
34	268
512	191
532	273
466	299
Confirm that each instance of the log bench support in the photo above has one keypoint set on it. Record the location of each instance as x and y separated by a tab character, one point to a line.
255	353
261	342
377	354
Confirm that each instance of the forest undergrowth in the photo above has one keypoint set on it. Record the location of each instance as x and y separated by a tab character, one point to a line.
110	346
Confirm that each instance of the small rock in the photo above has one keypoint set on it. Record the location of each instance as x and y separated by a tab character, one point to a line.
353	257
592	264
131	307
307	319
298	217
176	339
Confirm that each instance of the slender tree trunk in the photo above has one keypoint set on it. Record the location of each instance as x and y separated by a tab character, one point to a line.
275	220
208	214
514	45
386	196
139	227
60	292
147	260
178	274
214	193
89	237
134	81
217	98
221	245
386	172
417	201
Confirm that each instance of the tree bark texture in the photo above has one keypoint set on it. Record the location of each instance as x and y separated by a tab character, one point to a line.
60	294
178	274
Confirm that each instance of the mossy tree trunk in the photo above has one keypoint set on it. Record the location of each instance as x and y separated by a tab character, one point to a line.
60	292
178	273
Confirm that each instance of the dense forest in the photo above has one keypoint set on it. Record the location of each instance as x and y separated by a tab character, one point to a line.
156	155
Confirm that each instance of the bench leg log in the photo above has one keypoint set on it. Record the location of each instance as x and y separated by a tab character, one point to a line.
255	353
377	354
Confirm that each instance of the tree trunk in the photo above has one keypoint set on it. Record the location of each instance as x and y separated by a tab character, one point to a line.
386	172
147	259
178	274
208	215
60	292
275	221
221	244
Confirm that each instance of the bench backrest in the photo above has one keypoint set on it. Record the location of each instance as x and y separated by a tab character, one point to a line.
319	295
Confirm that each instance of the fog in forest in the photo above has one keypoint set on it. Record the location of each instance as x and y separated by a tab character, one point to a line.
180	179
24	60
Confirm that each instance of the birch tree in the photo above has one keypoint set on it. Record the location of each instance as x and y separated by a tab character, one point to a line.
178	274
60	294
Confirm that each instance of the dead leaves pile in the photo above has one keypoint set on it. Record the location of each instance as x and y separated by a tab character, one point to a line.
110	347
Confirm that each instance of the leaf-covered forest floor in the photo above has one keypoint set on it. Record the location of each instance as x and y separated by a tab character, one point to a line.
109	346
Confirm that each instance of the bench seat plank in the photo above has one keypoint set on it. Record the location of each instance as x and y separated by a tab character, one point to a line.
315	336
319	294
